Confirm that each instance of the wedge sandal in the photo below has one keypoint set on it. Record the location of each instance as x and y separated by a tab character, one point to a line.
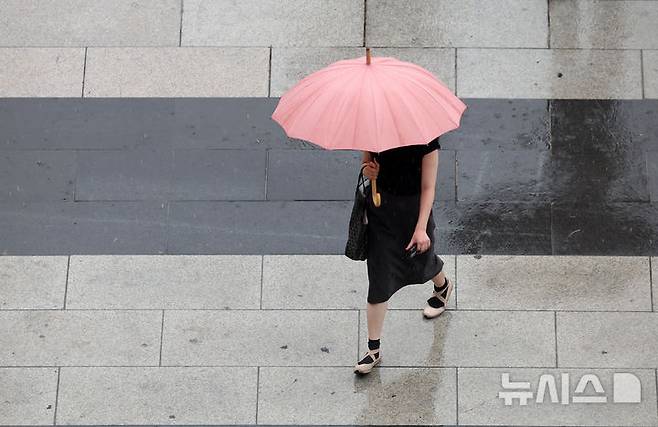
430	312
375	358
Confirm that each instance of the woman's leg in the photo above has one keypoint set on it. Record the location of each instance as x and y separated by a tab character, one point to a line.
439	279
376	314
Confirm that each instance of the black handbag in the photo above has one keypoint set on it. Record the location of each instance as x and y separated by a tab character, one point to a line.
356	247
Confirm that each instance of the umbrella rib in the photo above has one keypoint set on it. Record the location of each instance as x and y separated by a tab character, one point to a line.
397	131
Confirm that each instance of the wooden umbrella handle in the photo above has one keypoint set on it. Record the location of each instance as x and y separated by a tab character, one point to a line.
376	197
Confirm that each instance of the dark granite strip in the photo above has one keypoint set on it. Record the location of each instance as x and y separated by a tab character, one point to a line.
37	175
258	227
86	123
495	124
605	229
520	176
64	228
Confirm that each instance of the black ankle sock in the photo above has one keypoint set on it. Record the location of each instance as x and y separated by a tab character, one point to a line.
372	345
442	287
434	301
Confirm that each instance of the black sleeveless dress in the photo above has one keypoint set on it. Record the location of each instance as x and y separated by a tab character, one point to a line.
391	225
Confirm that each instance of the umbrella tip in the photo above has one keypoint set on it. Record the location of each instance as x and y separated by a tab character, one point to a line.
367	56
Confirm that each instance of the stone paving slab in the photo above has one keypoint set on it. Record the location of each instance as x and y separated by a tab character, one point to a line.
494	124
28	396
604	24
259	337
465	338
171	71
162	174
464	23
76	337
549	73
157	395
516	175
56	228
35	72
259	227
554	282
291	64
164	282
87	123
37	175
330	396
142	174
585	228
272	23
219	174
83	23
604	129
312	174
480	404
230	123
36	282
329	175
650	68
333	282
607	339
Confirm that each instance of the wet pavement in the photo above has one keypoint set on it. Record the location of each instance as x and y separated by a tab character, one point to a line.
218	176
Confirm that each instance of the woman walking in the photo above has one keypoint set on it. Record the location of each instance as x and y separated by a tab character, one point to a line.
404	221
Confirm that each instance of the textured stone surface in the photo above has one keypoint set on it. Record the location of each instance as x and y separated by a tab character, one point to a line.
163	281
157	395
171	71
33	282
464	23
406	396
272	23
554	282
465	338
604	24
549	73
41	72
83	23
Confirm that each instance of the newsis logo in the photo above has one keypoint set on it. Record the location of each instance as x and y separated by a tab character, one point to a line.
625	389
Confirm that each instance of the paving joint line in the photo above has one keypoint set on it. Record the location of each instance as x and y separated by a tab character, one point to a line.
642	72
180	29
66	283
257	396
653	308
346	309
269	74
84	73
555	335
262	262
637	368
59	370
365	20
161	337
548	23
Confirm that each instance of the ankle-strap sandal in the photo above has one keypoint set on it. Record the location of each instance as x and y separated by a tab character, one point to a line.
375	357
431	312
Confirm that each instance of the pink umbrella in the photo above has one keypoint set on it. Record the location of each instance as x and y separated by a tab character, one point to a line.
371	105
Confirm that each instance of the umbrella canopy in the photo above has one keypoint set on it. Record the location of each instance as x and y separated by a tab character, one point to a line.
370	104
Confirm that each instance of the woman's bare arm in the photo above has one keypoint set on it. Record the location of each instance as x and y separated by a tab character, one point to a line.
429	168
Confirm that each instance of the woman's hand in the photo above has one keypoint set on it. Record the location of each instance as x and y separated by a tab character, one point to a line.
421	239
371	170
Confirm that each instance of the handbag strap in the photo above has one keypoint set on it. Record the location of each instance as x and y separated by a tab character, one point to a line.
362	178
